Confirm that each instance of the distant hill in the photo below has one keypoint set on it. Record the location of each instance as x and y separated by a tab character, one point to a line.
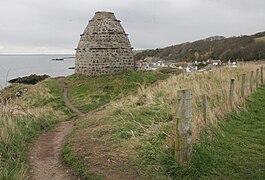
247	47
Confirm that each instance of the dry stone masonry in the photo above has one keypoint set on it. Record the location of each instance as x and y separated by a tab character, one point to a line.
104	47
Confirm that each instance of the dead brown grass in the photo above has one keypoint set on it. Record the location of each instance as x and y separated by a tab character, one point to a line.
215	84
104	151
99	151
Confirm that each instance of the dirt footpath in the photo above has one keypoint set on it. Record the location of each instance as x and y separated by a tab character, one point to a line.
44	155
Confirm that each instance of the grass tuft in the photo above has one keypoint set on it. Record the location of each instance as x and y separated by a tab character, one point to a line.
23	119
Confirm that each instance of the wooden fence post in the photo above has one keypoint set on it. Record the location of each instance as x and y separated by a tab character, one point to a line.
251	81
231	92
261	74
205	109
183	139
257	78
243	86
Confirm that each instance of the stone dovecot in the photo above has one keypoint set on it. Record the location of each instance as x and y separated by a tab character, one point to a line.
104	47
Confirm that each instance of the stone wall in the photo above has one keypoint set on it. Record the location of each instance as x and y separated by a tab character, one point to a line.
104	47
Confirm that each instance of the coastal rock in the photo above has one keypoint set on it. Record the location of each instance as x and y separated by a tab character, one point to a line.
20	92
32	79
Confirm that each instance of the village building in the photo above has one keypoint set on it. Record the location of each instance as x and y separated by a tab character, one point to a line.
104	47
171	63
217	62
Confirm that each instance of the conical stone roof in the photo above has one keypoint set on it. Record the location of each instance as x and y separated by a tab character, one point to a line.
104	47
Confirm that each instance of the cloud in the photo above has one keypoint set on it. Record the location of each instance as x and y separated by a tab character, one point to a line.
56	24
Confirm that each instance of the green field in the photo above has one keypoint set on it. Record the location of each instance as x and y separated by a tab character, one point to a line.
261	39
87	93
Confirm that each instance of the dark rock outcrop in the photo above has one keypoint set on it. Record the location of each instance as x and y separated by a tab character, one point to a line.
32	79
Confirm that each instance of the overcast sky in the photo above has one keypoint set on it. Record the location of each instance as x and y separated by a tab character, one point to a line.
53	26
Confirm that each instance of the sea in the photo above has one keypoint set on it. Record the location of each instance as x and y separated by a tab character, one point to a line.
13	66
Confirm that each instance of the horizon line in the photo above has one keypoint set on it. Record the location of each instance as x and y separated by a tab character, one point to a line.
26	54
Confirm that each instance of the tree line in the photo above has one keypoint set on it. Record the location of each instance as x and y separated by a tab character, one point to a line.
245	48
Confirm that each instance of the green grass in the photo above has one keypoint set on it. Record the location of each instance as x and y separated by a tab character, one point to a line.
13	153
55	99
87	93
79	169
138	122
40	109
261	39
236	149
140	127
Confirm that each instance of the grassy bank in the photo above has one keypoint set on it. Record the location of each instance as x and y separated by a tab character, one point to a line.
87	93
23	119
236	149
132	137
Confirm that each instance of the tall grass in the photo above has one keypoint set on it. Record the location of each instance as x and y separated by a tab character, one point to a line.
22	119
215	84
146	120
138	129
16	132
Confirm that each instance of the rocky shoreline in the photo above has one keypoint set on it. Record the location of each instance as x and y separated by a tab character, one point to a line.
32	79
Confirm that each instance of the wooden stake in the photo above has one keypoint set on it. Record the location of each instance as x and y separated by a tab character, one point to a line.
183	139
261	74
257	78
251	81
243	86
205	109
231	92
